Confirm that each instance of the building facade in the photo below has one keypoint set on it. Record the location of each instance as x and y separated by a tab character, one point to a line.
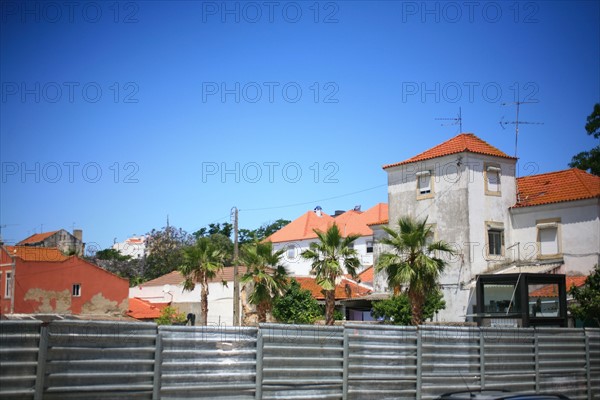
64	241
494	221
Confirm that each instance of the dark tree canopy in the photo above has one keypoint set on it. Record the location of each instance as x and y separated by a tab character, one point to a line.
590	160
587	299
164	249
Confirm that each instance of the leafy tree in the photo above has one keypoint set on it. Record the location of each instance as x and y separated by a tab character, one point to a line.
296	306
587	299
169	316
123	265
263	232
331	258
412	263
398	310
226	229
165	250
201	262
590	160
268	276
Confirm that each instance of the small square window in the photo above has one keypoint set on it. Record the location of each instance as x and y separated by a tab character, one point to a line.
369	246
425	184
76	292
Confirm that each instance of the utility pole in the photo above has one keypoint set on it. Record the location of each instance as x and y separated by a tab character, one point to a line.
236	278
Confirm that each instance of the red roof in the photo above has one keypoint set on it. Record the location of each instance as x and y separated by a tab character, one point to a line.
346	289
552	290
176	278
142	309
464	142
36	238
555	187
350	222
367	275
31	253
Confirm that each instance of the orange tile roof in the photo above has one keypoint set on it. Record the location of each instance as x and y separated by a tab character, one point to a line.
555	187
366	276
552	290
176	278
302	227
142	309
464	142
36	238
346	289
32	253
350	222
381	222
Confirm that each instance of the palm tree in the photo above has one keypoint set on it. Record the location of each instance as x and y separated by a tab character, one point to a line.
202	261
412	262
268	276
332	256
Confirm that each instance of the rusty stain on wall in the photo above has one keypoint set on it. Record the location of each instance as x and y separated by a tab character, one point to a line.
50	301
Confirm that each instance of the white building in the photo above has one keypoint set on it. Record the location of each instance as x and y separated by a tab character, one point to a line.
468	192
298	234
169	289
135	247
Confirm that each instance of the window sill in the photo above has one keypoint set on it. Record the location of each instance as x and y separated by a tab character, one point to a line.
425	196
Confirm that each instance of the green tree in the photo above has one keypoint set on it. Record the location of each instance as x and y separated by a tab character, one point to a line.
268	276
169	316
587	299
590	160
164	249
411	262
263	232
398	310
123	265
296	306
331	257
201	262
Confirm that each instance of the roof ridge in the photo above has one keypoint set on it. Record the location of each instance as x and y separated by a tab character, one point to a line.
578	173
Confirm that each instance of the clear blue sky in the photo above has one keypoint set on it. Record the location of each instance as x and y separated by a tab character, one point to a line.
158	97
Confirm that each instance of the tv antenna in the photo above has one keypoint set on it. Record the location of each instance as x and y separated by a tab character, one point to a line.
516	123
457	120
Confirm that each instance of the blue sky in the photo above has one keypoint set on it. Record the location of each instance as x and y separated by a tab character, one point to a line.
116	114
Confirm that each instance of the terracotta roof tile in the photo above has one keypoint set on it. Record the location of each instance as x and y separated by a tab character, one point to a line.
346	289
36	238
552	290
350	222
464	142
366	276
176	278
142	309
32	253
555	187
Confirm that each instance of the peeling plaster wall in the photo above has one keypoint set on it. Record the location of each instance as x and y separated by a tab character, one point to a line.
98	304
49	301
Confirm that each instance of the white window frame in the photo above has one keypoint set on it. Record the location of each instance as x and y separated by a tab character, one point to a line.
8	282
424	194
73	292
549	223
488	170
371	246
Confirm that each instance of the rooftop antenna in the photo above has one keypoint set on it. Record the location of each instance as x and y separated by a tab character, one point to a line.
516	123
457	120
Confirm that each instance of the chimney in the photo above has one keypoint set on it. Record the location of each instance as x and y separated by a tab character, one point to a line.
78	233
338	213
318	211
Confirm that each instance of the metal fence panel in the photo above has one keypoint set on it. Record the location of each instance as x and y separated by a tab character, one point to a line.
509	359
100	359
302	362
450	360
562	361
19	346
381	362
214	362
593	357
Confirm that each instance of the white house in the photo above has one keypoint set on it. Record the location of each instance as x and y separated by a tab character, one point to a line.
135	247
169	289
468	191
296	236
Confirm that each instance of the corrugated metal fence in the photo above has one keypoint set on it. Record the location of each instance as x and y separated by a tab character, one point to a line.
112	360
